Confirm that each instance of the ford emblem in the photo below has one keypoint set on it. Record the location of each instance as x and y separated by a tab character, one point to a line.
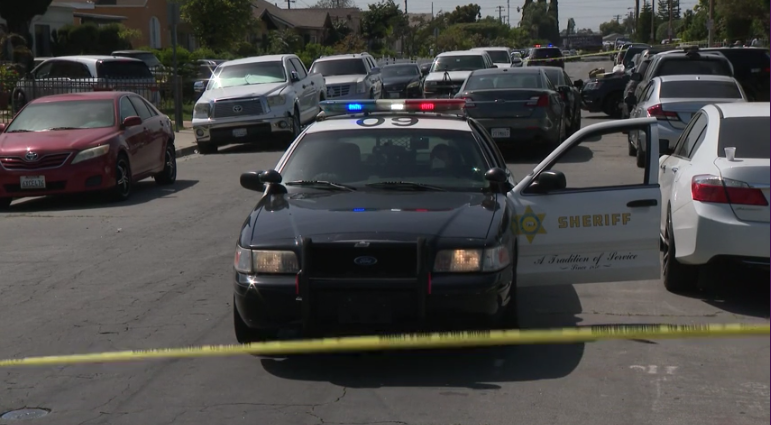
365	261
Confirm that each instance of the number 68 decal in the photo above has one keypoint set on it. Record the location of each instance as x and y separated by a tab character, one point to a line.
399	122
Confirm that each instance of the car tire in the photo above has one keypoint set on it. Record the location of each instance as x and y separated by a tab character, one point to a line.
611	105
631	150
677	277
169	174
124	184
5	203
640	157
245	334
207	148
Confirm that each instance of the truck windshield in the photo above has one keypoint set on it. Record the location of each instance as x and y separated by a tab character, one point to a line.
458	63
332	68
247	74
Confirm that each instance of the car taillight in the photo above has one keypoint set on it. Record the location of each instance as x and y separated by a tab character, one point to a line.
539	102
713	189
656	111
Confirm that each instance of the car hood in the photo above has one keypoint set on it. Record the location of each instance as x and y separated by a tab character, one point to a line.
344	79
454	76
366	215
240	92
52	141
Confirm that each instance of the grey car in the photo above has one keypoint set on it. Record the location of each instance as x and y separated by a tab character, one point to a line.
674	99
516	105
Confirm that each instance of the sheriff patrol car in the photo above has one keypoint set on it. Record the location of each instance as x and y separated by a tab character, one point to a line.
395	213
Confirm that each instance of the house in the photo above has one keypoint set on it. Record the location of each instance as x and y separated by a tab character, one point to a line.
312	25
149	17
59	14
349	16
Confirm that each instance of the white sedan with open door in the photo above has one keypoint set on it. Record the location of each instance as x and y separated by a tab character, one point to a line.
715	193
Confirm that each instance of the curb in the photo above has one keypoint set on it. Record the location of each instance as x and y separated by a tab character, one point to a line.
187	151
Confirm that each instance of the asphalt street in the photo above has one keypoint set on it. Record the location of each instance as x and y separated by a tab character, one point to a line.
77	275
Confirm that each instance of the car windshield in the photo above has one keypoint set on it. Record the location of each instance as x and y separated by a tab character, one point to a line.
247	74
687	66
147	58
505	80
499	56
332	68
398	71
81	114
749	135
458	63
704	89
451	160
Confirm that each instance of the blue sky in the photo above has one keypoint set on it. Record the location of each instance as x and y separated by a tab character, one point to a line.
587	13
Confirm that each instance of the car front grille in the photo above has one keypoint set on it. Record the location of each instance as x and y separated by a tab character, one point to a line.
46	161
338	90
393	260
237	108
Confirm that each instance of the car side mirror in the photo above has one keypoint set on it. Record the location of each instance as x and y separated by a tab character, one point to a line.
631	100
132	121
664	148
498	178
2	127
252	181
578	84
294	76
636	77
549	181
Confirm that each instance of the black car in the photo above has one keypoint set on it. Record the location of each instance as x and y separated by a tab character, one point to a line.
401	81
545	56
605	94
751	69
571	94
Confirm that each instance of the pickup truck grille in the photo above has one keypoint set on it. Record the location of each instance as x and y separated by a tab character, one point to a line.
237	108
337	91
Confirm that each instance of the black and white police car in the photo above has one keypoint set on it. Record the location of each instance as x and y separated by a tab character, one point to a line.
398	212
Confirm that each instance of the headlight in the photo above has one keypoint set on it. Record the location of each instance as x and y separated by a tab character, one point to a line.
202	110
472	260
430	84
413	84
91	153
266	262
276	100
361	87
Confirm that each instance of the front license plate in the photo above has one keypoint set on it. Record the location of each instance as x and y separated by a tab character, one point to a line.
393	95
500	133
32	182
239	132
365	311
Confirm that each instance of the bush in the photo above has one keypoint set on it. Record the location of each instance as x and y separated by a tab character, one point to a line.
313	51
90	39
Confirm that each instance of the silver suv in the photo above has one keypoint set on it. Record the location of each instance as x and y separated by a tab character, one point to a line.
353	76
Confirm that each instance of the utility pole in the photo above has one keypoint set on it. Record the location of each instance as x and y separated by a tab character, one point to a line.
653	22
710	22
500	13
618	18
669	27
636	13
432	11
508	12
405	6
289	3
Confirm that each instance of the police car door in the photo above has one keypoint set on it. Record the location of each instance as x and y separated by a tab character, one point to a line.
583	217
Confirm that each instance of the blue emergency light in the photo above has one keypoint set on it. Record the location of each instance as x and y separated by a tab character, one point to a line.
337	107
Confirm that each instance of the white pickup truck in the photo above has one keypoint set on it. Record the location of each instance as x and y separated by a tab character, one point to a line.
252	99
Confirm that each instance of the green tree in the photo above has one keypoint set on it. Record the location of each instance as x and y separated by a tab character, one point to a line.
218	24
465	14
335	4
743	19
643	30
381	21
572	26
612	27
18	15
539	22
662	10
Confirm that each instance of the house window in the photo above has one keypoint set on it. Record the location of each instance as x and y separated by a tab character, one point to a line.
155	33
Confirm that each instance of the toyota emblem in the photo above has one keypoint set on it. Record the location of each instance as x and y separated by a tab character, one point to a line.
238	109
31	156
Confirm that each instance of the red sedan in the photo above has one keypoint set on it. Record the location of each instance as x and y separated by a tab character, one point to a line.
83	142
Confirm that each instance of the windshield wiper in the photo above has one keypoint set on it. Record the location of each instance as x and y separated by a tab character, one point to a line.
320	184
406	186
64	128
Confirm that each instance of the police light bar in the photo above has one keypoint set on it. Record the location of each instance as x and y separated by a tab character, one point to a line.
366	106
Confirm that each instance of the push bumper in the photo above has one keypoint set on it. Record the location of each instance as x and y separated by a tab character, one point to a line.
90	175
522	130
221	131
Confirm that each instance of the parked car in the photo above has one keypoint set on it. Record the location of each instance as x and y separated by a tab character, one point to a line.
674	99
149	58
715	194
75	74
545	56
751	68
255	97
570	91
402	81
353	76
605	94
450	70
501	56
85	142
517	105
206	69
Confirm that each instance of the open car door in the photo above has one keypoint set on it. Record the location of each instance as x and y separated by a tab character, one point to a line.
576	225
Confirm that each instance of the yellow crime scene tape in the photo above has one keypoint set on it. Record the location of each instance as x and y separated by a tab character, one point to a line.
586	55
411	342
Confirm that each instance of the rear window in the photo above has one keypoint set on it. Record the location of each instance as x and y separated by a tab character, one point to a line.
685	66
123	70
546	53
555	76
749	135
505	81
747	61
147	58
499	56
629	54
700	89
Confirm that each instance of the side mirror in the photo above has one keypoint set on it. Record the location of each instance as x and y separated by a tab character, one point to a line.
631	100
549	181
270	177
2	127
132	121
578	84
636	77
496	175
664	148
294	76
252	181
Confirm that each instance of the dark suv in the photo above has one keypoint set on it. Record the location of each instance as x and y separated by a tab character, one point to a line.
545	56
750	68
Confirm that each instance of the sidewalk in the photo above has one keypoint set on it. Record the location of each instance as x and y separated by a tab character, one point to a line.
185	140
